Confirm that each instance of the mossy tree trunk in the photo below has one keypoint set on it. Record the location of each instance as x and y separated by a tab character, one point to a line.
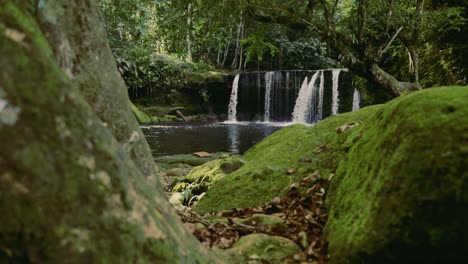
77	183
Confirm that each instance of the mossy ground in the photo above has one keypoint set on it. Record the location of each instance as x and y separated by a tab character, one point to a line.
400	193
265	175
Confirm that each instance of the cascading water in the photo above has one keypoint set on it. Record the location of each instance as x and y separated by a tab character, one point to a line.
335	100
301	103
303	109
268	84
232	109
278	96
320	98
356	100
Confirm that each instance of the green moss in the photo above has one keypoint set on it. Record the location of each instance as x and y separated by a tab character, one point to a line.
159	110
187	159
197	78
169	118
264	175
140	116
69	188
402	189
202	177
261	248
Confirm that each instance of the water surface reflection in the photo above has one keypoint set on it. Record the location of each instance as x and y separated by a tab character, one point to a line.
217	137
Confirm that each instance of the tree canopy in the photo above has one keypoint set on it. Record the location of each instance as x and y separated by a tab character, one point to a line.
395	45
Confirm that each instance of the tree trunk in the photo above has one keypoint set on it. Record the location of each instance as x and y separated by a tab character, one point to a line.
189	40
236	53
77	182
391	85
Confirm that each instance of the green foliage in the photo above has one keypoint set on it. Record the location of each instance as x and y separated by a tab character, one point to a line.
256	46
156	72
272	35
305	53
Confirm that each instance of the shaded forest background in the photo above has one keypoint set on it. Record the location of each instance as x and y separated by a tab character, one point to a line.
419	43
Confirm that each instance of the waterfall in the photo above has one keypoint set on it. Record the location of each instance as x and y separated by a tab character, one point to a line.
303	101
285	96
320	98
232	112
314	100
356	100
335	100
268	84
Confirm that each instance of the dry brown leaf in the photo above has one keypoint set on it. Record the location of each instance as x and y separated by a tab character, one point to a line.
15	35
344	128
320	148
202	154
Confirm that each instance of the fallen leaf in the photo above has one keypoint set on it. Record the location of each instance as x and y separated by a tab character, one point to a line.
276	201
202	154
320	148
15	35
344	128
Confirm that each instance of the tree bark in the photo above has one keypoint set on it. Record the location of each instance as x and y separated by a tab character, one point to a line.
77	183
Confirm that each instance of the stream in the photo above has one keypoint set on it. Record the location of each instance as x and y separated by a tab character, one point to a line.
215	137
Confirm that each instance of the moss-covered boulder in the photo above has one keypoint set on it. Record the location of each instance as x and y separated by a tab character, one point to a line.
401	192
200	178
139	115
281	159
261	248
76	183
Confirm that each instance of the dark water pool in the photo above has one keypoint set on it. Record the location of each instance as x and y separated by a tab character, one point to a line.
217	137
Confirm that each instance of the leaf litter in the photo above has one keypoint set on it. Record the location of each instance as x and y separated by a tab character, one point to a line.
301	208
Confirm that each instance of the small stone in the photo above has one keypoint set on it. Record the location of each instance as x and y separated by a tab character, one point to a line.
294	186
177	199
276	201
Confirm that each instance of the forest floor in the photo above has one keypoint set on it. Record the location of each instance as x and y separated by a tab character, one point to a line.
298	216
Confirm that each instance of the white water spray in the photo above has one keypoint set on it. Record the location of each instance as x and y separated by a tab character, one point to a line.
335	99
232	112
303	101
268	84
300	102
320	97
356	100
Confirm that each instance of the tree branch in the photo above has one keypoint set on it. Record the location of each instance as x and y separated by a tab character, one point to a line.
382	51
280	19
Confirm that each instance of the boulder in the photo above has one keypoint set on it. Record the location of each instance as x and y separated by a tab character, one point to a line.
140	116
200	178
401	192
261	248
